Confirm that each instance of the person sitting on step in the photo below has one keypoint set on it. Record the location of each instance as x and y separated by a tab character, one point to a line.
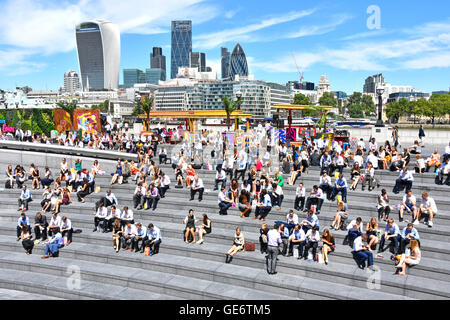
312	242
197	186
371	231
53	246
341	216
139	236
392	233
427	208
310	222
340	186
329	244
129	232
361	252
297	238
238	245
404	180
354	229
412	259
315	198
409	204
263	208
223	201
153	239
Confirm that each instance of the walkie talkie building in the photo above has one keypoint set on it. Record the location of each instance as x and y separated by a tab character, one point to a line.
98	47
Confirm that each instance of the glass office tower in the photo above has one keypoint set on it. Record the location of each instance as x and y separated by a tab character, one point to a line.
238	62
181	45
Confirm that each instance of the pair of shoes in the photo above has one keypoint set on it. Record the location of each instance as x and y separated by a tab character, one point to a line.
95	229
273	272
200	200
326	262
430	224
400	219
191	199
289	255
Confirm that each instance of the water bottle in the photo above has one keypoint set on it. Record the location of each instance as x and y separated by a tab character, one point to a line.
151	253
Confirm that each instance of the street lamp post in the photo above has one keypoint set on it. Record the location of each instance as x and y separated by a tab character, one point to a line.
380	108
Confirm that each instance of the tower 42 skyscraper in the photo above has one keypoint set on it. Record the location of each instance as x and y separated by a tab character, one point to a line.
98	46
181	45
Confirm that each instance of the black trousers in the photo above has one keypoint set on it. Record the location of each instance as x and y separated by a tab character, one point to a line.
300	247
326	189
135	243
308	246
82	194
53	231
154	245
152	202
38	233
137	200
68	233
316	201
200	191
104	221
262	212
163	190
126	242
299	203
103	200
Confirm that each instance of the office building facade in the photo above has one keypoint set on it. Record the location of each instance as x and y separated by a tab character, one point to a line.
153	76
133	76
197	60
98	47
71	82
181	45
157	59
373	82
225	63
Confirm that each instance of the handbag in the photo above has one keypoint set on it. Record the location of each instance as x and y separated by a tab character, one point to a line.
249	246
97	189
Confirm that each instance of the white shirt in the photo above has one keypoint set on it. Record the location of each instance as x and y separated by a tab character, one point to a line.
55	221
300	192
221	197
318	194
359	160
410	200
429	204
112	198
220	175
352	226
313	237
325	180
273	238
130	230
128	215
66	225
357	244
293	219
198	184
165	181
373	159
102	213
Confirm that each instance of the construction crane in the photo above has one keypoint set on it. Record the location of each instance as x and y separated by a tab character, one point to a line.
298	69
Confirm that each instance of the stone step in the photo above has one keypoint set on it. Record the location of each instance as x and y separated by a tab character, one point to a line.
414	287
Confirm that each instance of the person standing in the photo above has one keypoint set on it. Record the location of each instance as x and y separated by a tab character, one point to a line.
422	135
395	136
273	242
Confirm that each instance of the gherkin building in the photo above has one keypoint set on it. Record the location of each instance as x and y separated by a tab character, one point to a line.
238	62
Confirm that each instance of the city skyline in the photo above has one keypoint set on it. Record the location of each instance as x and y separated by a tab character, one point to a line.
412	47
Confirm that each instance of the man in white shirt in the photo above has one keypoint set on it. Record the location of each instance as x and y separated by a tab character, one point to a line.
409	204
404	180
297	238
138	196
127	216
354	229
221	177
54	225
325	184
373	145
197	186
312	241
263	208
315	198
428	209
66	229
139	236
300	194
100	216
224	202
165	185
362	252
153	239
108	200
162	155
273	242
129	233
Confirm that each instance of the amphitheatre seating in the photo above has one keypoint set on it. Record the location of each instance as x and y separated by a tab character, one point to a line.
182	271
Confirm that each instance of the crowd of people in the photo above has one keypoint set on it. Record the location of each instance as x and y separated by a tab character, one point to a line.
260	192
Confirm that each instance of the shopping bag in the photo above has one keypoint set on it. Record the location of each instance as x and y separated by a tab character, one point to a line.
147	251
97	189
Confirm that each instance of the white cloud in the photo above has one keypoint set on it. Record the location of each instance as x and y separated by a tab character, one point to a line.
431	48
212	40
361	35
43	27
318	29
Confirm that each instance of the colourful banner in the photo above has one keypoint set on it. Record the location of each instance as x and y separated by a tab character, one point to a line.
87	120
291	134
62	120
282	134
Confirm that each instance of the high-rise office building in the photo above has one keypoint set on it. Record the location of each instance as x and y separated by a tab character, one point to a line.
157	60
181	45
153	76
198	60
71	82
132	76
238	62
98	47
225	63
373	82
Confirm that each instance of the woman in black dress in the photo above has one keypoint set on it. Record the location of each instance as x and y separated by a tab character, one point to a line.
205	228
27	243
190	226
328	244
244	204
263	237
117	234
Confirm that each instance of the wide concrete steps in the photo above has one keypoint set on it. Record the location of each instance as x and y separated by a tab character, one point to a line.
150	284
226	277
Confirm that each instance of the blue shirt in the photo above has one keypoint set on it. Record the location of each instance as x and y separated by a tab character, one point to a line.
26	194
414	233
285	233
299	235
154	234
392	230
22	222
313	219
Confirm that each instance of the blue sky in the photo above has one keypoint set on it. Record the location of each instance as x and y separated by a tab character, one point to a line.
411	47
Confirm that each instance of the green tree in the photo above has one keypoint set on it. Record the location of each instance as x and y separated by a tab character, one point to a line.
301	99
355	111
359	105
393	111
328	99
438	106
70	108
368	105
230	106
146	105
